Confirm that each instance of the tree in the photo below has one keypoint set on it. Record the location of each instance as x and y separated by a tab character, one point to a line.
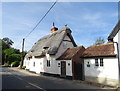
99	41
13	58
9	52
5	43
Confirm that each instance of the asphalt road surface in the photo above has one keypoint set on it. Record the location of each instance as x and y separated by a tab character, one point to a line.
15	79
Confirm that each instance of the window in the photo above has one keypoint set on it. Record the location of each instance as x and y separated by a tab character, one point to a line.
34	64
101	61
58	64
96	62
48	63
88	64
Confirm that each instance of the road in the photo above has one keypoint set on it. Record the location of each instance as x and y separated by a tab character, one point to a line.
15	79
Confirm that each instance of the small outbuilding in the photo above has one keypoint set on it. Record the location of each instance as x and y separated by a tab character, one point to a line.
101	64
71	64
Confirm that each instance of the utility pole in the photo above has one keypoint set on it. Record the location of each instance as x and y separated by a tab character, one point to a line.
21	63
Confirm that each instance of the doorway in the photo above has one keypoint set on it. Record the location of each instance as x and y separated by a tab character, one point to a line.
63	69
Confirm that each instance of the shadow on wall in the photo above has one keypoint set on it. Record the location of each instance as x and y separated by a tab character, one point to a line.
97	74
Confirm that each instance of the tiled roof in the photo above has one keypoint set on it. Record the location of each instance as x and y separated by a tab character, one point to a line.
70	52
100	50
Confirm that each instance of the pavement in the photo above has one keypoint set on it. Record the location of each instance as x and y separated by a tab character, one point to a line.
15	78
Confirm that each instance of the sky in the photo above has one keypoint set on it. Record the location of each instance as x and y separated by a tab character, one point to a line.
87	20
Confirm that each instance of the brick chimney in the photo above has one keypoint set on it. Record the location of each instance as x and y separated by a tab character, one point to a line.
53	29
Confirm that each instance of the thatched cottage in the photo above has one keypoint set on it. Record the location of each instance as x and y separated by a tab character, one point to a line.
41	58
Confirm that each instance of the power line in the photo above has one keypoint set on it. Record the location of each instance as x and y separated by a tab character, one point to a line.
19	44
39	21
42	18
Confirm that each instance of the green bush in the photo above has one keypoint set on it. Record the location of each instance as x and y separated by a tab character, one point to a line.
6	64
15	64
14	57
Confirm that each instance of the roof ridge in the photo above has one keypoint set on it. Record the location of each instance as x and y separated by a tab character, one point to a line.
101	45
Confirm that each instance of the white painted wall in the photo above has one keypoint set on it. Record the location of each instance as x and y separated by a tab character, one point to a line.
68	67
27	64
54	69
31	62
41	63
117	39
109	70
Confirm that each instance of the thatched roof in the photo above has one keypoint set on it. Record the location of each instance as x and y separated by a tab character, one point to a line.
51	41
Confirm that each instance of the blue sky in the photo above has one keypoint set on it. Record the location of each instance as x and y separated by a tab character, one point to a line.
87	20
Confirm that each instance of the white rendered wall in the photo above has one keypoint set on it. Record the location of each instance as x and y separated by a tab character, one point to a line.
115	39
109	70
41	63
68	67
31	62
27	64
54	69
24	62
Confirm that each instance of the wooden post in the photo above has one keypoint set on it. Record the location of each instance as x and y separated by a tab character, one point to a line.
21	63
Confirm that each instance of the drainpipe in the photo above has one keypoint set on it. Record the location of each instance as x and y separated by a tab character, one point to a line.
118	59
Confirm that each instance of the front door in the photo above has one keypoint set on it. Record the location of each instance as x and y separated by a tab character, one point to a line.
63	69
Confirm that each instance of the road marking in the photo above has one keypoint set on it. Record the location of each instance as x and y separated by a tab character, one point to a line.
30	83
36	86
25	81
18	77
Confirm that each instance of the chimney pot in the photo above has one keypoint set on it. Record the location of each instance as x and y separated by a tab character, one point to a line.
54	28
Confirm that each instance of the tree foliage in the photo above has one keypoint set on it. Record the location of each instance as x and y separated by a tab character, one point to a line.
10	51
13	58
6	43
9	54
99	41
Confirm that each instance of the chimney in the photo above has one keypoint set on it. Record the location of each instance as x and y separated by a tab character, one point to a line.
53	28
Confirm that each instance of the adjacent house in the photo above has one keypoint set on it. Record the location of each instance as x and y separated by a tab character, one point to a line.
71	64
115	38
41	58
101	64
58	54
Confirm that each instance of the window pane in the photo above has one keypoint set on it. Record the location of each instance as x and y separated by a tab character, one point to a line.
47	63
101	61
96	62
